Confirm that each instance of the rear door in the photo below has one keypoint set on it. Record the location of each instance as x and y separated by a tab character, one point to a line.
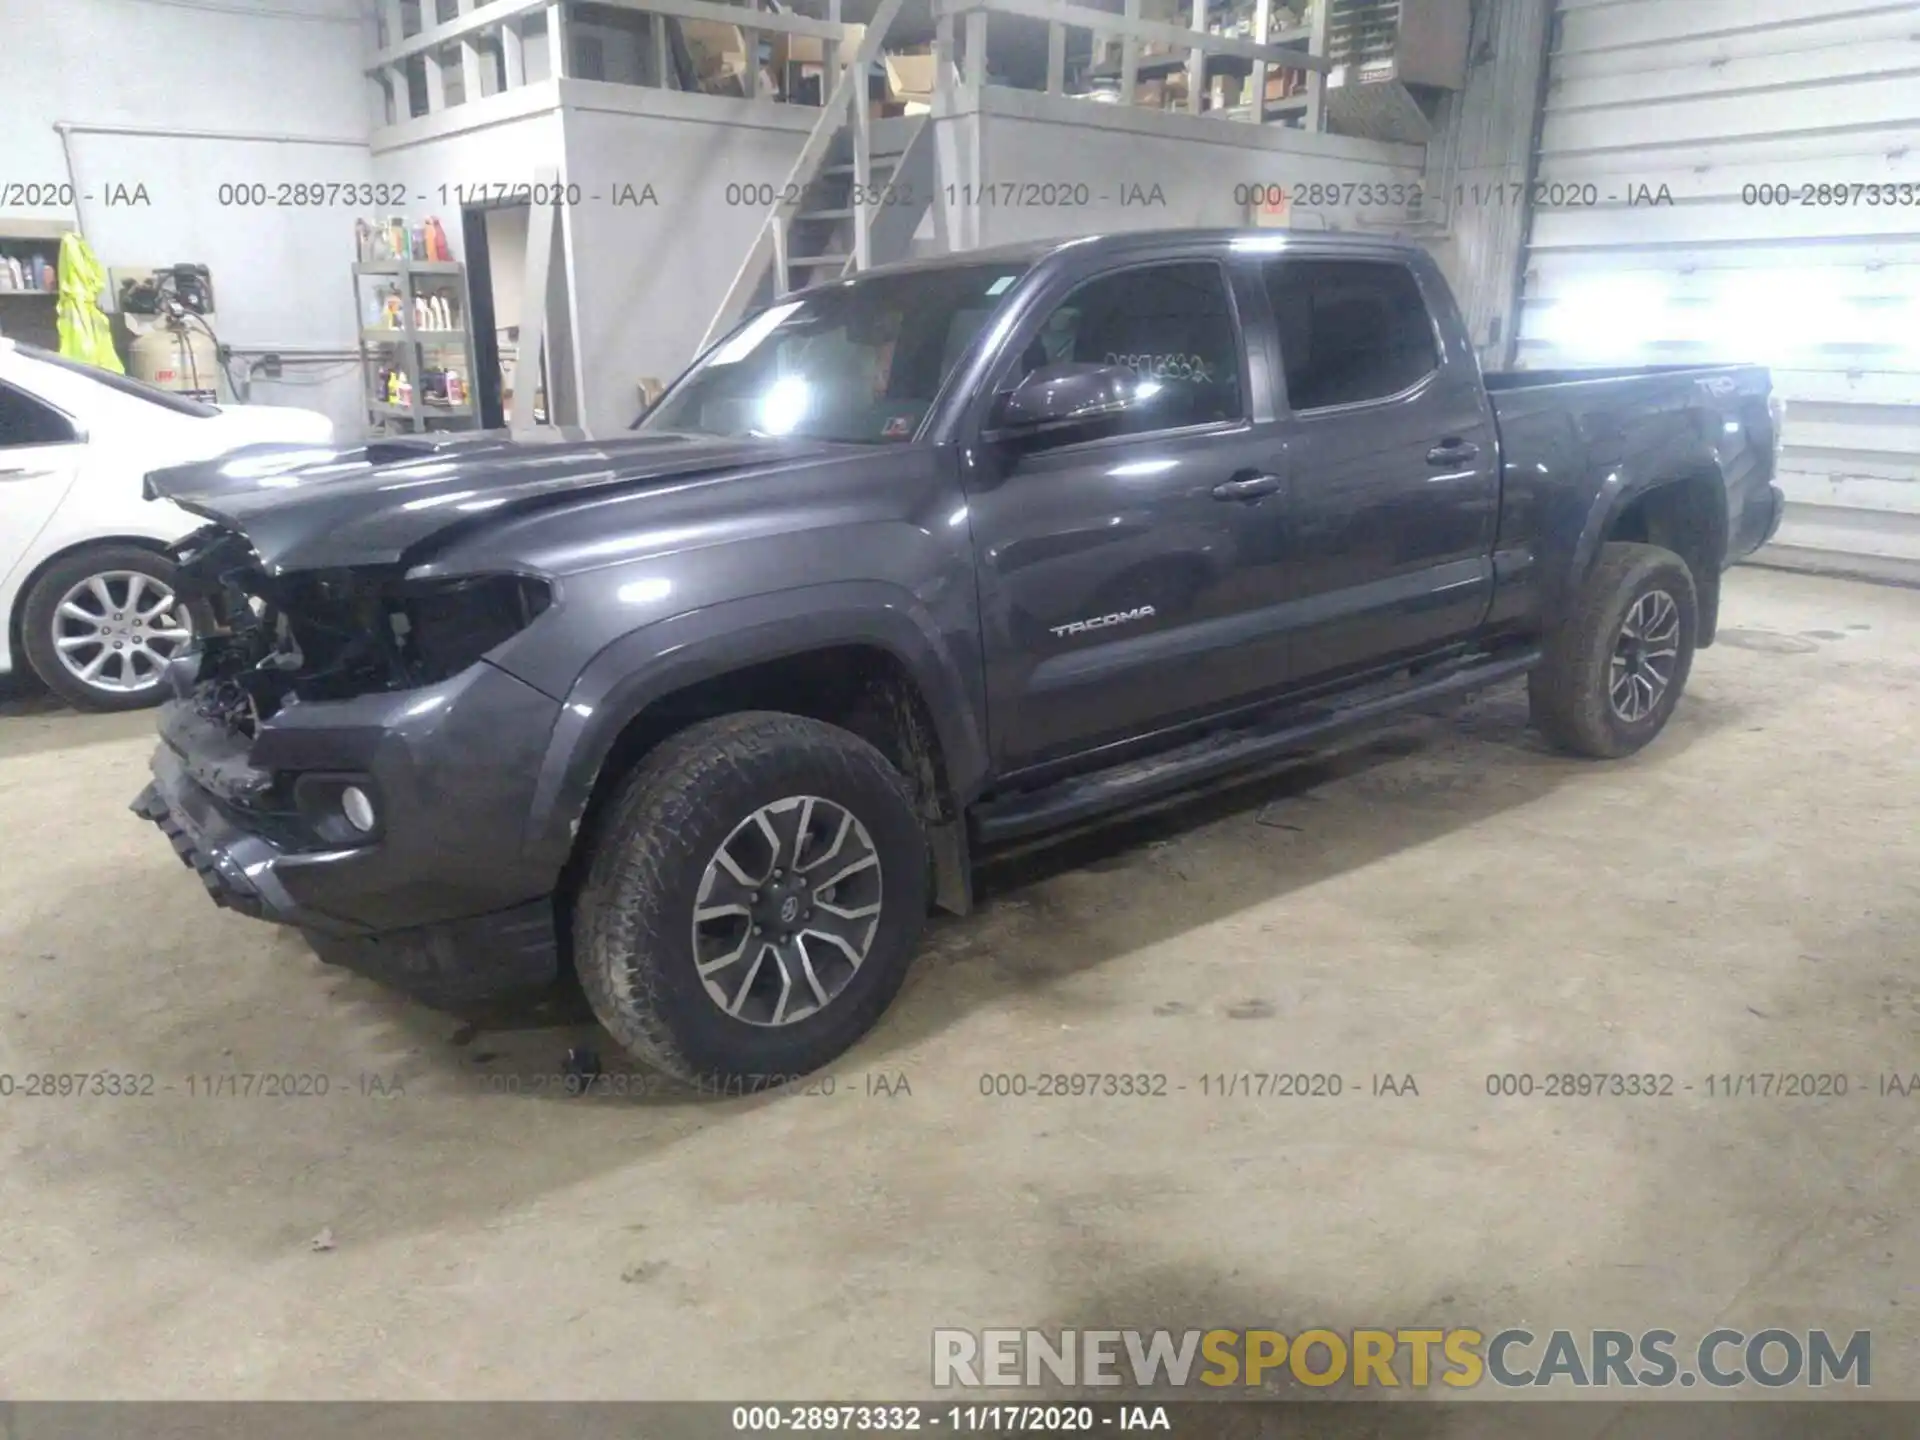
1134	580
1395	488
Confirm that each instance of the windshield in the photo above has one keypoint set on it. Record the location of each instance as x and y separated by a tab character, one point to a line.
125	384
858	363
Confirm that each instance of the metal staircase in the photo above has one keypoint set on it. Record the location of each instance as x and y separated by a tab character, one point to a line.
825	234
845	204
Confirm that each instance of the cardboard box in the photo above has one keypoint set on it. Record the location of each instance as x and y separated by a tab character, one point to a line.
910	78
1284	83
811	50
719	52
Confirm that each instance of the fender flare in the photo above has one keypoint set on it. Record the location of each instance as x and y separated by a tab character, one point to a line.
1619	487
646	665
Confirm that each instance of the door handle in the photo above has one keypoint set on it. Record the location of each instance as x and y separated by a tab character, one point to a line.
1452	451
23	474
1249	486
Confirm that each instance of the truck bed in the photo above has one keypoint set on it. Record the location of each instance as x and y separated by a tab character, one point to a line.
1568	438
1508	380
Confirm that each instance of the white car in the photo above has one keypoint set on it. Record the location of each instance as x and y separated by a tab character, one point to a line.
86	588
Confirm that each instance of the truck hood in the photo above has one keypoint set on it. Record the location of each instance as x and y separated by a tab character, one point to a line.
303	507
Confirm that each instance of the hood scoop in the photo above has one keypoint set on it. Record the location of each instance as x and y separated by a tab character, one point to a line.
409	447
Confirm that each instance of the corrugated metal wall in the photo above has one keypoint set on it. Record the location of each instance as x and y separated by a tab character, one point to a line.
1483	146
1680	215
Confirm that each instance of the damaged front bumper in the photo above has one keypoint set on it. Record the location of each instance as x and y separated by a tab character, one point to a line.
441	900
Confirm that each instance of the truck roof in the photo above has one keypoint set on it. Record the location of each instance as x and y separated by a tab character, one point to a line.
1125	242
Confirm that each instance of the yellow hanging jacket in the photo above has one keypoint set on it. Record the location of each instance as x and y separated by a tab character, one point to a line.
84	333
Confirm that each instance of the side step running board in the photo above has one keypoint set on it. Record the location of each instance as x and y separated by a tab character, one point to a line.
1220	754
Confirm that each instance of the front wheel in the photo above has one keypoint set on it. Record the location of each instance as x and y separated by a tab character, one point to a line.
1615	668
100	625
754	896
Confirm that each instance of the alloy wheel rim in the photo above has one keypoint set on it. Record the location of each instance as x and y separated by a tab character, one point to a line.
787	911
1644	657
115	631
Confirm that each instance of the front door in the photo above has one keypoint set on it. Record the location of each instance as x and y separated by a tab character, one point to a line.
1133	580
1395	488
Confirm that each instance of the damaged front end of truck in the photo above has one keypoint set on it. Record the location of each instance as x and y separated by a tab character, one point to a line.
334	755
264	641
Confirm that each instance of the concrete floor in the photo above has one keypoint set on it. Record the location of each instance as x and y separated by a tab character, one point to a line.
1446	902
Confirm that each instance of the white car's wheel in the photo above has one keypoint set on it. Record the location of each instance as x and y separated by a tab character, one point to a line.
100	625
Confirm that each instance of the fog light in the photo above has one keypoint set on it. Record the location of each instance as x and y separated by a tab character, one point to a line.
357	807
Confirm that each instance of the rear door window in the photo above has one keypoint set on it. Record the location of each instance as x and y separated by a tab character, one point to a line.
27	421
1350	330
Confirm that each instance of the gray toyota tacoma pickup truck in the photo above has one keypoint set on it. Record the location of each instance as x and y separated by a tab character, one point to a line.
903	568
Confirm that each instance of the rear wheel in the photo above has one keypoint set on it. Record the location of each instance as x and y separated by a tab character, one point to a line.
100	625
754	897
1616	667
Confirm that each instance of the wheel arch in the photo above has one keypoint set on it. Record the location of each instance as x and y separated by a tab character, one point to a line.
1680	507
876	670
1687	514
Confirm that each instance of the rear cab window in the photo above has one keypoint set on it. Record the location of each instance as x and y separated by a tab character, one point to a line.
1350	331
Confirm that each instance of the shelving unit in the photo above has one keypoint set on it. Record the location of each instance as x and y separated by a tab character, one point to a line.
31	315
1392	58
410	349
1168	76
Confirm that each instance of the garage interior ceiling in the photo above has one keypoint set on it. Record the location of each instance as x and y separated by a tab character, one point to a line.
1736	108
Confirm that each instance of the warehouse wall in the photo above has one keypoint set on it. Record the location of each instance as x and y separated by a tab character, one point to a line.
1730	105
653	268
1144	172
1474	210
510	140
155	68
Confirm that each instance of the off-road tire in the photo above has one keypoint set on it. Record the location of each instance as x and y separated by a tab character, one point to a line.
633	918
37	622
1568	691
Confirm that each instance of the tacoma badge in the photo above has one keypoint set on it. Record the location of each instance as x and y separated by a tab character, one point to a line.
1101	622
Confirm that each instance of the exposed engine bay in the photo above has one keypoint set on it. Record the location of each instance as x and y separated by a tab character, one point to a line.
267	640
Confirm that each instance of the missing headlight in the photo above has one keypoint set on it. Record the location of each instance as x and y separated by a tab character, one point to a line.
444	626
335	634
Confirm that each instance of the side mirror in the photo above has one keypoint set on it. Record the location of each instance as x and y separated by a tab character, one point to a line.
1065	397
